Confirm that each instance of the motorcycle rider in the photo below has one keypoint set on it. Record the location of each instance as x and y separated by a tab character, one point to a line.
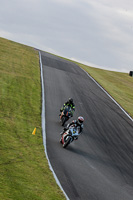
77	123
68	103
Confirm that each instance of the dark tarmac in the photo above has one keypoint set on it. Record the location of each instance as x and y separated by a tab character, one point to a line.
99	165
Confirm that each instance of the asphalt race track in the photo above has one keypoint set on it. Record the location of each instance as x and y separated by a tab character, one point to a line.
99	165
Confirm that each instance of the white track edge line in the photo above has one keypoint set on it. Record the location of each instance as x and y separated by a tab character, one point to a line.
44	129
108	94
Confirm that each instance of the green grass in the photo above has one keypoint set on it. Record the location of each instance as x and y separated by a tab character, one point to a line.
118	85
24	170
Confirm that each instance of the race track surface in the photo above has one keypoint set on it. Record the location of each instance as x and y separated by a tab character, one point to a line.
99	165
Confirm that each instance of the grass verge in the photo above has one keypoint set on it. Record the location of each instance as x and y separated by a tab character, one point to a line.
24	171
118	85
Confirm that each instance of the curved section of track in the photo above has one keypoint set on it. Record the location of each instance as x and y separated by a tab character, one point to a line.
98	166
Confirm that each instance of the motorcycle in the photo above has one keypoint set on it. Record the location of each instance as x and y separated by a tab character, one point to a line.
68	136
65	115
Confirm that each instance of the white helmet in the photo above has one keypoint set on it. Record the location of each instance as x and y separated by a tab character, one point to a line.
80	120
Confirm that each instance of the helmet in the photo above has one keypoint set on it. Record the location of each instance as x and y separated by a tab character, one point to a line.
70	100
80	120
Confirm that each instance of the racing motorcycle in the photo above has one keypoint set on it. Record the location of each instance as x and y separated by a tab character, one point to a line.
69	135
65	115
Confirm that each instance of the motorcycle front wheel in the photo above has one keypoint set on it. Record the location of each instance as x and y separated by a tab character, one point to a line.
64	119
67	142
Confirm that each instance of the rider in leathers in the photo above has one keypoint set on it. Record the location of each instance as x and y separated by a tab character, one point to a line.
69	103
77	123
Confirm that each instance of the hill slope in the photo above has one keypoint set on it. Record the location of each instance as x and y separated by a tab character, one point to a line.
24	169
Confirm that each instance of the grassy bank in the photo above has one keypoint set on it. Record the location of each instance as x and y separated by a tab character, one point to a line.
118	85
24	171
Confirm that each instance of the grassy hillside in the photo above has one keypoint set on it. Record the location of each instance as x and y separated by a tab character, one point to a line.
118	85
24	171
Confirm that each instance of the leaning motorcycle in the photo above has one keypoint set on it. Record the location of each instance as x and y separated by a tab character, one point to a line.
65	115
68	136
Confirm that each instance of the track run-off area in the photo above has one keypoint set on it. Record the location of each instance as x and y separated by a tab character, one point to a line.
99	165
